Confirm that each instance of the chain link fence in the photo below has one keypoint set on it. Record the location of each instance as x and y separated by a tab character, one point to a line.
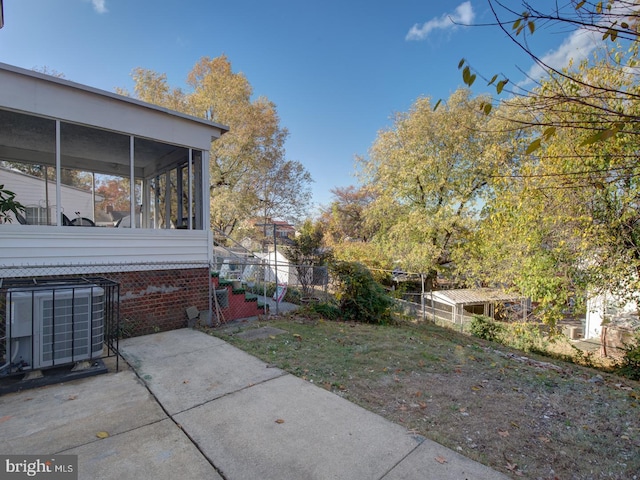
152	296
273	284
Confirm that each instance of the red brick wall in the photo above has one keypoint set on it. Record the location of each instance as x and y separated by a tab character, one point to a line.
156	300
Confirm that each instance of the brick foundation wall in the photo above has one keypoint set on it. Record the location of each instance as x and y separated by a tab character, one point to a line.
152	300
156	300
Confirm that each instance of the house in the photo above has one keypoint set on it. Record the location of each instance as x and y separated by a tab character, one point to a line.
284	232
33	194
612	321
157	163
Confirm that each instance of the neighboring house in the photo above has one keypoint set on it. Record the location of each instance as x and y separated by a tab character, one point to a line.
160	158
284	231
606	310
32	192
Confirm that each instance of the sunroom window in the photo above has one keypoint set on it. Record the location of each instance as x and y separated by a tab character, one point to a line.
75	175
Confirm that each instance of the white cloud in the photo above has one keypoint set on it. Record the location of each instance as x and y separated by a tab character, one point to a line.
99	6
580	44
463	15
576	47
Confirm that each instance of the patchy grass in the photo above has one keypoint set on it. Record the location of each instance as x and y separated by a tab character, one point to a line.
526	416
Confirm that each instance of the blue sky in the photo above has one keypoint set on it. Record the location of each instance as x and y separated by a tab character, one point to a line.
337	70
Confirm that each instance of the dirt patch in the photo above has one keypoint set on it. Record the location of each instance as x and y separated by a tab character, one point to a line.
526	416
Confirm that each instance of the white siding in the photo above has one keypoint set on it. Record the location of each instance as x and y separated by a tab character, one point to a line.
30	192
22	246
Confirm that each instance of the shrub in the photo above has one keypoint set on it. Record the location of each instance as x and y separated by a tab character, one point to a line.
525	336
325	310
630	366
360	297
485	328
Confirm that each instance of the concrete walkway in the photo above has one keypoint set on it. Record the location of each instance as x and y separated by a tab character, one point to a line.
194	407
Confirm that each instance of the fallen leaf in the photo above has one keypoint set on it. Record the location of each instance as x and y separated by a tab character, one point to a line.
102	434
423	405
544	439
512	467
503	433
279	420
441	459
72	397
475	388
418	394
272	337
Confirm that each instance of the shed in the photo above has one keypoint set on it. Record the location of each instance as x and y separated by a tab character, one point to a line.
459	306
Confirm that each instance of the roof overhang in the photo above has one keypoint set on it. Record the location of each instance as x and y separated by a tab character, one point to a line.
474	296
32	92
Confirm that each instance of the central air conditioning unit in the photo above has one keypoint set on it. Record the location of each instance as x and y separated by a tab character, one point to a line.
54	326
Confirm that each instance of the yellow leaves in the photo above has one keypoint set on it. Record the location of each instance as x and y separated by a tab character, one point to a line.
102	434
467	77
520	24
501	85
537	143
279	421
611	33
533	146
603	135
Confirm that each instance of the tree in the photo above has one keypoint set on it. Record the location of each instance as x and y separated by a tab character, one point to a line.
308	254
345	219
284	190
430	173
152	87
116	193
616	21
567	222
251	153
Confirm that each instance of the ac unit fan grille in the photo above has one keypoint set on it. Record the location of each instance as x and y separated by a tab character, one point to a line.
65	328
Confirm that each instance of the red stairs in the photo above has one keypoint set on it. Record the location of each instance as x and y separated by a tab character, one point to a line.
235	303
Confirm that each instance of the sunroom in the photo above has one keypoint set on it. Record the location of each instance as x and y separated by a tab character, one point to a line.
134	176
